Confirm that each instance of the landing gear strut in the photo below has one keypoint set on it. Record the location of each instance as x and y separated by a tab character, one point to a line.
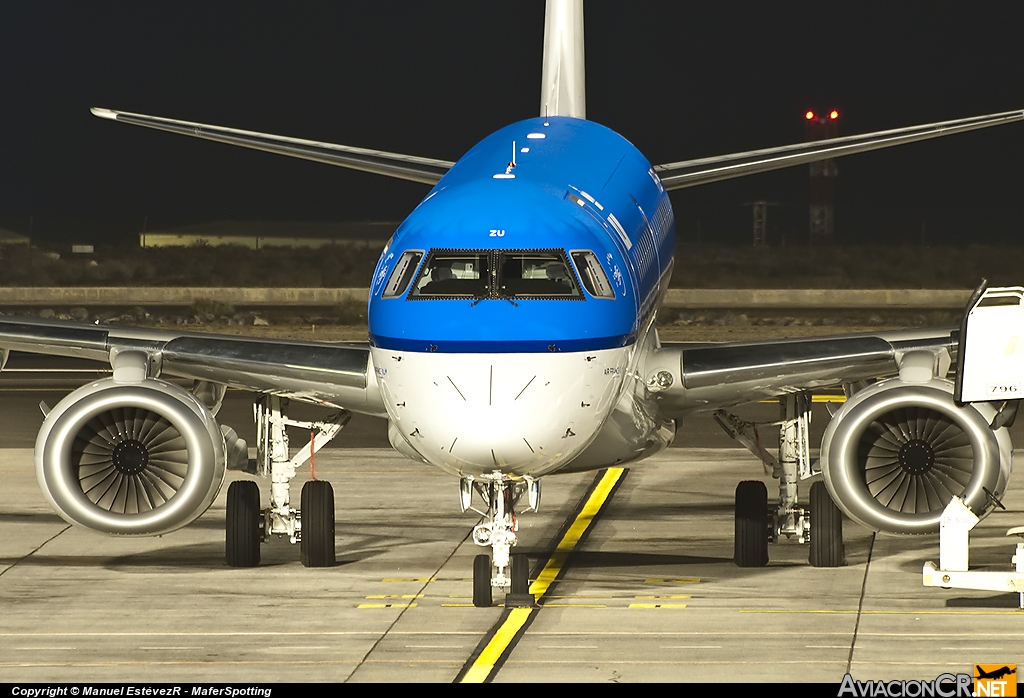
313	525
757	524
501	570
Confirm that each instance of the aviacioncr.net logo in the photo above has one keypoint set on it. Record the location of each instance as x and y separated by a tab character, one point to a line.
942	686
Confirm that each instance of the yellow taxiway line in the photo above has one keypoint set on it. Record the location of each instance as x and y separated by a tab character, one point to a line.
502	638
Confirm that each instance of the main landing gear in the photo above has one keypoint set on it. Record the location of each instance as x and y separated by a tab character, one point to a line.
757	523
312	526
501	569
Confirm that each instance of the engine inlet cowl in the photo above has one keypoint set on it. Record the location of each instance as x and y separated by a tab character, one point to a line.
140	459
897	453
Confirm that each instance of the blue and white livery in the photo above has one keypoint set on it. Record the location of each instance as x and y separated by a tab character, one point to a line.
512	336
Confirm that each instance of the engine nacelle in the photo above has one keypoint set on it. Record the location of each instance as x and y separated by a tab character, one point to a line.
898	452
142	458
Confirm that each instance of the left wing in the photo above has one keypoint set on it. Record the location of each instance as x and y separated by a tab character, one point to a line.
411	167
339	375
690	173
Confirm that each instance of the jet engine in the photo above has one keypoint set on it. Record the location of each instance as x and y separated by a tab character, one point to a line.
141	458
898	452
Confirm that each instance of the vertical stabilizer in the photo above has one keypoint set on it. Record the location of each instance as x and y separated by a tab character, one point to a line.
563	83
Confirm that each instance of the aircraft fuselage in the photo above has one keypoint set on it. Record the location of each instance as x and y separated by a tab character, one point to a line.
507	311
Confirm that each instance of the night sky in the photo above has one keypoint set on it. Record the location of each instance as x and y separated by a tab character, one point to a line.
679	79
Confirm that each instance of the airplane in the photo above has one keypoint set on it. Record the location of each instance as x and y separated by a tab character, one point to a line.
511	337
995	673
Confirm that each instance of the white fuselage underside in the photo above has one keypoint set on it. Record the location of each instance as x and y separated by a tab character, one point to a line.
513	414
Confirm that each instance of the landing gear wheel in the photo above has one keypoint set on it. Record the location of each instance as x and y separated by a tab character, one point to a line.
751	545
827	548
519	595
317	544
242	527
482	582
520	574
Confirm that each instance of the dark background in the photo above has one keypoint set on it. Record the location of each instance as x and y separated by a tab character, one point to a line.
678	79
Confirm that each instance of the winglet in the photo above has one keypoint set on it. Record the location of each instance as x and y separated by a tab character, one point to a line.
104	113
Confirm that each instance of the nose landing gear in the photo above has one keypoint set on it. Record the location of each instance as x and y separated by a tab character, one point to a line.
501	570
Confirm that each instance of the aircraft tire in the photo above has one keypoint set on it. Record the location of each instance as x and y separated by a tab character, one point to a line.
520	574
751	542
242	526
482	582
827	549
317	543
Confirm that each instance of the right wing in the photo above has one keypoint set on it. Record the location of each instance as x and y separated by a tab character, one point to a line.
411	167
337	375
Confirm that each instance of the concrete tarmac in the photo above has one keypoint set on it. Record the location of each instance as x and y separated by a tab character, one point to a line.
651	595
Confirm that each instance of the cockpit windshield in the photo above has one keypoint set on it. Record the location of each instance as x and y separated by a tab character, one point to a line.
536	274
454	274
525	274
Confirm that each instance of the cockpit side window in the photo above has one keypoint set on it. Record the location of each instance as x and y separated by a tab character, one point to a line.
593	276
402	273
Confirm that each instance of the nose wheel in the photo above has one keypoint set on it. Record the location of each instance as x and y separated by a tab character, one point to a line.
482	582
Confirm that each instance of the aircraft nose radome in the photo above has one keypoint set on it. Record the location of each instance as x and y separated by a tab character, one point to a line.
520	414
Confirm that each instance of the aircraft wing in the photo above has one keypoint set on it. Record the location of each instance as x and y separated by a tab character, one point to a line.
411	167
690	173
718	375
334	374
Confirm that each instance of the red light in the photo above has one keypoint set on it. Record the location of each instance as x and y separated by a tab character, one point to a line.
809	115
833	114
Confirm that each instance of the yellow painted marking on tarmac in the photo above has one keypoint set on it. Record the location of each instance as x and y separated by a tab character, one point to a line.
814	398
575	605
420	580
386	605
828	398
657	605
395	596
575	532
842	611
676	580
456	605
517	617
484	664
